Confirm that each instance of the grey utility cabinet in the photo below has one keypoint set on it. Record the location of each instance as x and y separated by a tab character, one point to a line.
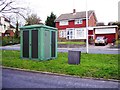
74	57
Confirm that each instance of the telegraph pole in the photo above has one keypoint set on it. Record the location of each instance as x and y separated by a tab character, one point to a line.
119	11
86	29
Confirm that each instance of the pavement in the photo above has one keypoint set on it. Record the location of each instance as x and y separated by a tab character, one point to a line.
92	49
24	79
10	47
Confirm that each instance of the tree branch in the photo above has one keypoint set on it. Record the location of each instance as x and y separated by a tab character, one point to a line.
3	2
6	6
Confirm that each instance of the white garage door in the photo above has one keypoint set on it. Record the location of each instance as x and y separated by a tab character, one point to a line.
105	30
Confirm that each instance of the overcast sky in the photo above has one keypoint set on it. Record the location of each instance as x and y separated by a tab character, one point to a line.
106	10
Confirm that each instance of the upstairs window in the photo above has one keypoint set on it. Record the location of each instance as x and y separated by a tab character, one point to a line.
78	21
5	27
65	22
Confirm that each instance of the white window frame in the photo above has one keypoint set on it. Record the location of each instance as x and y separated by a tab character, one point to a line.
62	33
80	33
2	20
70	36
64	22
78	21
7	34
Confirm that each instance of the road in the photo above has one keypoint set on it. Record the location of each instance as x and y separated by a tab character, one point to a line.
92	49
22	79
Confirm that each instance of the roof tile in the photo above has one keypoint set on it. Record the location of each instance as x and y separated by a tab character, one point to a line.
73	16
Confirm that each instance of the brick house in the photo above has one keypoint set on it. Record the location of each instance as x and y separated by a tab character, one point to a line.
8	33
73	25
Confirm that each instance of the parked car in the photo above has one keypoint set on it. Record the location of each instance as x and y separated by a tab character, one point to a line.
101	40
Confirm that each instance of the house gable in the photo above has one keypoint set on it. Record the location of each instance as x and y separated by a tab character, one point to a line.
5	25
92	20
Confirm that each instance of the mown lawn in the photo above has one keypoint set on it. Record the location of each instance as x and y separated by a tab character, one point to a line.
68	42
92	65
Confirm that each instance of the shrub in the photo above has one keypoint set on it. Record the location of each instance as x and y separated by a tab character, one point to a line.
10	41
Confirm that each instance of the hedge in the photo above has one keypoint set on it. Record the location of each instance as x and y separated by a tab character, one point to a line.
10	41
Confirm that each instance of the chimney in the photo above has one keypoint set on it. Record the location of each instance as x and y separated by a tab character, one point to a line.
74	11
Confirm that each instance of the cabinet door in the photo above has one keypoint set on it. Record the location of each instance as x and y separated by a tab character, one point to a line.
26	44
47	44
34	44
53	44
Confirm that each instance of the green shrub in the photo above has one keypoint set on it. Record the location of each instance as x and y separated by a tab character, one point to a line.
16	40
10	41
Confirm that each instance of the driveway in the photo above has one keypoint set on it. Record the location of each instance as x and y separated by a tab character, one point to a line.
22	79
92	49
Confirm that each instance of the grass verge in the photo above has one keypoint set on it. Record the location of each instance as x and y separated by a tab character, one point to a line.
92	65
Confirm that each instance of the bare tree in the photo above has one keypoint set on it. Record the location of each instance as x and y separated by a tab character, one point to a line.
8	6
33	19
15	12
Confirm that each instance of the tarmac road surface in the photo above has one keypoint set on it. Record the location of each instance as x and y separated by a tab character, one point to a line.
22	79
92	49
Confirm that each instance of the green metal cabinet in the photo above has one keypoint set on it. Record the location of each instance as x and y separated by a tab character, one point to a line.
38	42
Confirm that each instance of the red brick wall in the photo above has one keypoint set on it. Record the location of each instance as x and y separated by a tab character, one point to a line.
11	34
71	24
61	27
90	32
92	21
